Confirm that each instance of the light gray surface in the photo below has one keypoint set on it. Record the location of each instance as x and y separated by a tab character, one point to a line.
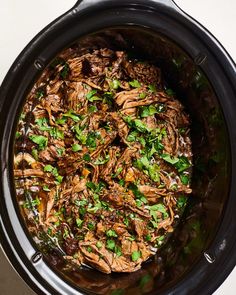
10	282
21	20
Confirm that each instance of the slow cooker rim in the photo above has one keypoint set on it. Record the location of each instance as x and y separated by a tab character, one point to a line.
33	46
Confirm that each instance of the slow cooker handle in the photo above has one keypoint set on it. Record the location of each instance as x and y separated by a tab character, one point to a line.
83	4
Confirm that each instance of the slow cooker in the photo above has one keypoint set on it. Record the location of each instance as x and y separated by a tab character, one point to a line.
201	252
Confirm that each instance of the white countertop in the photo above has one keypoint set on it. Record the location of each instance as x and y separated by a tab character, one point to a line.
21	20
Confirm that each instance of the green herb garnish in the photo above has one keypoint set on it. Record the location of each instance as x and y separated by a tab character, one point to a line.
71	114
142	95
76	147
40	140
92	97
35	154
65	71
152	88
86	157
91	226
46	188
91	139
89	249
99	245
147	111
148	238
79	222
181	201
135	255
110	245
170	159
135	84
115	84
111	233
92	109
101	161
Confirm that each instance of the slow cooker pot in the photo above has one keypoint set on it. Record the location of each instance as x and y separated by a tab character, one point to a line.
202	250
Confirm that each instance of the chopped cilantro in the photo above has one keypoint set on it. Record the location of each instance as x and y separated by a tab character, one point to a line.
91	139
79	222
101	161
148	237
139	203
121	182
48	168
168	158
91	226
40	93
71	114
135	84
142	95
95	208
54	172
59	179
43	124
40	140
111	233
108	98
182	164
34	153
140	126
147	111
126	221
181	201
118	251
91	185
89	249
99	245
160	240
110	245
96	188
76	147
18	134
61	121
160	208
86	157
46	188
91	96
60	151
152	88
31	203
152	170
118	171
182	130
65	71
135	255
80	134
115	84
92	109
184	179
133	187
56	133
133	135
